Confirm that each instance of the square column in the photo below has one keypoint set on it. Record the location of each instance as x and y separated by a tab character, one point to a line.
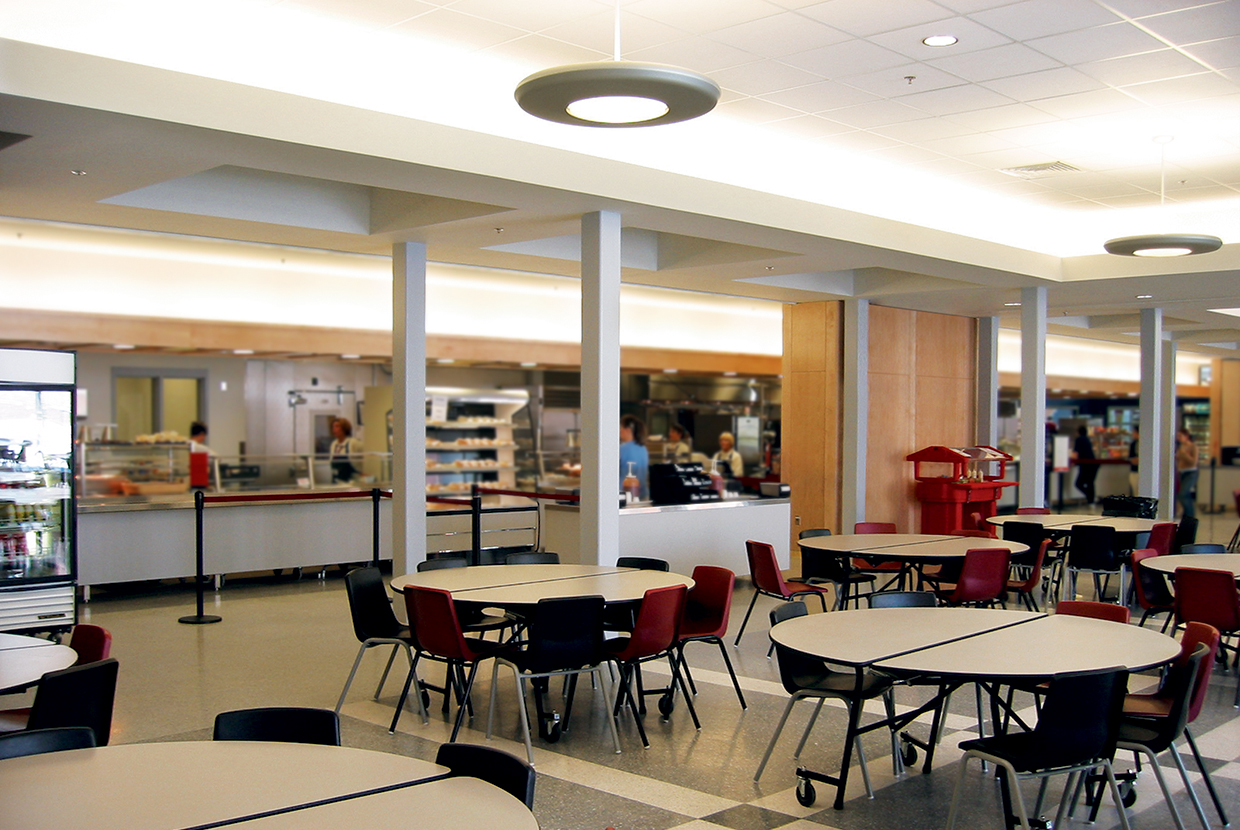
1166	504
988	381
1032	397
1150	456
599	542
408	406
856	421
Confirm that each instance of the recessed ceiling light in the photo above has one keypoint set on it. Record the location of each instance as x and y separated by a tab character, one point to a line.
1145	296
1012	305
124	347
670	371
243	351
445	360
78	172
940	40
729	374
529	365
1057	391
1164	245
350	356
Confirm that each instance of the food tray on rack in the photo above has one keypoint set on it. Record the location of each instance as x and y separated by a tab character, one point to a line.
155	488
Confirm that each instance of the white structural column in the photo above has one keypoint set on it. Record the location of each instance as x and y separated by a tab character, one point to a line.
600	388
1032	396
408	406
856	410
988	381
1166	504
1149	450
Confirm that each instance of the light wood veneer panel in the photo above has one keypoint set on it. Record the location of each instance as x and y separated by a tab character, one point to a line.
892	340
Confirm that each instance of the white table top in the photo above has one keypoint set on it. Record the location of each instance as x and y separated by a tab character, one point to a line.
1064	521
905	546
23	660
527	584
166	786
450	804
1211	561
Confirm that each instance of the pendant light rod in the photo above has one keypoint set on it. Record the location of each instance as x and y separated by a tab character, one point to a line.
616	50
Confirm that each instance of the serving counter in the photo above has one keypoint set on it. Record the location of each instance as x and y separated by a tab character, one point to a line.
712	533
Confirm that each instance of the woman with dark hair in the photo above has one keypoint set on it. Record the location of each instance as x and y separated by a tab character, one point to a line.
1083	450
344	451
680	443
633	451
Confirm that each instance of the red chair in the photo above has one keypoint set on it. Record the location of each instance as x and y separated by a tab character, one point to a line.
706	618
1094	610
1033	511
874	527
769	581
983	578
1024	588
655	635
438	633
1162	537
91	642
978	520
1150	586
1209	597
862	565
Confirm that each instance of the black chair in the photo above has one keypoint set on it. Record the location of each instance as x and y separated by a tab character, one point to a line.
1204	547
644	563
1185	534
834	569
441	562
532	557
286	724
1077	731
1093	550
809	678
563	637
503	769
375	624
39	741
77	696
904	599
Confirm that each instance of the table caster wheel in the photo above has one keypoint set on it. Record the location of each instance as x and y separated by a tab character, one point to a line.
1127	795
426	700
909	755
666	704
550	729
805	792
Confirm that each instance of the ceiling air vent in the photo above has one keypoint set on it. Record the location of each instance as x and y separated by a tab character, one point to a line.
1040	171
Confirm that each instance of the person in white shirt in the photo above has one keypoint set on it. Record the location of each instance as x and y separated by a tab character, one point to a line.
344	450
198	438
680	444
728	461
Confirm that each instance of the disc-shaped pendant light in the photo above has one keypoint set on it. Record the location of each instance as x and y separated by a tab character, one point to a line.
1163	244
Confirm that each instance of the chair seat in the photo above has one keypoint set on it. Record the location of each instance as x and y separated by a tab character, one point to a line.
519	656
1147	706
799	587
692	629
842	683
1025	751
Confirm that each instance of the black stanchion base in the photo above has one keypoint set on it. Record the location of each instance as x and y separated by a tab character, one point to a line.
200	619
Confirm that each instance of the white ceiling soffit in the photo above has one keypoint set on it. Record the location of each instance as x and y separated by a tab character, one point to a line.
833	283
648	250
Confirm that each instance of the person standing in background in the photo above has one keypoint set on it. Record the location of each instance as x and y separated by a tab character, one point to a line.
633	450
1133	480
198	438
680	444
1187	457
343	450
728	460
1083	451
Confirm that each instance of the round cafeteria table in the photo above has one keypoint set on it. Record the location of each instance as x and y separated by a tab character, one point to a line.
23	660
516	585
1211	561
1061	523
246	785
952	646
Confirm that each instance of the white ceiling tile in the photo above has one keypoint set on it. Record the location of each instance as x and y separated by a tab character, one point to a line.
894	82
1144	8
956	99
378	14
1002	118
1097	44
540	51
701	16
812	126
1136	69
779	35
967	145
876	114
756	110
1179	90
924	129
1000	159
972	37
999	62
1223	53
1198	194
598	32
1038	18
859	141
696	53
795	5
459	29
763	76
1144	200
906	154
532	17
1036	135
852	57
1053	197
824	95
863	18
1046	84
1082	104
1190	25
948	166
971	6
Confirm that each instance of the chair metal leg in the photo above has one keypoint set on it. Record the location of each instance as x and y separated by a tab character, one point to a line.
525	717
356	662
387	668
1205	774
461	709
1162	784
678	680
865	769
775	737
727	661
611	722
1115	796
955	805
809	727
1188	785
745	621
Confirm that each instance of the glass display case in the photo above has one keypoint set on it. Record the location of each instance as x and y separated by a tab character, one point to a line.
135	469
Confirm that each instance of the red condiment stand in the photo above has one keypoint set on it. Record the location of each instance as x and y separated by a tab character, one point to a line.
964	484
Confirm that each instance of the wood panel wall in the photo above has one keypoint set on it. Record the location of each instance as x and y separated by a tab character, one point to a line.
1224	405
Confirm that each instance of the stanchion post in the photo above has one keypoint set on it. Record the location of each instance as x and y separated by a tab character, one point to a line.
475	524
200	618
374	498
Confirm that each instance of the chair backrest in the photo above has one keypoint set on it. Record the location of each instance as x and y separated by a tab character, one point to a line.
1203	547
1033	511
1034	577
1080	717
564	633
285	724
903	599
658	622
435	625
532	557
495	766
369	605
440	563
644	563
1093	548
1185	534
91	642
811	532
874	527
1195	635
77	696
1150	585
39	741
983	577
764	568
1094	610
709	601
976	521
1162	536
1177	688
1207	596
796	670
1027	533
